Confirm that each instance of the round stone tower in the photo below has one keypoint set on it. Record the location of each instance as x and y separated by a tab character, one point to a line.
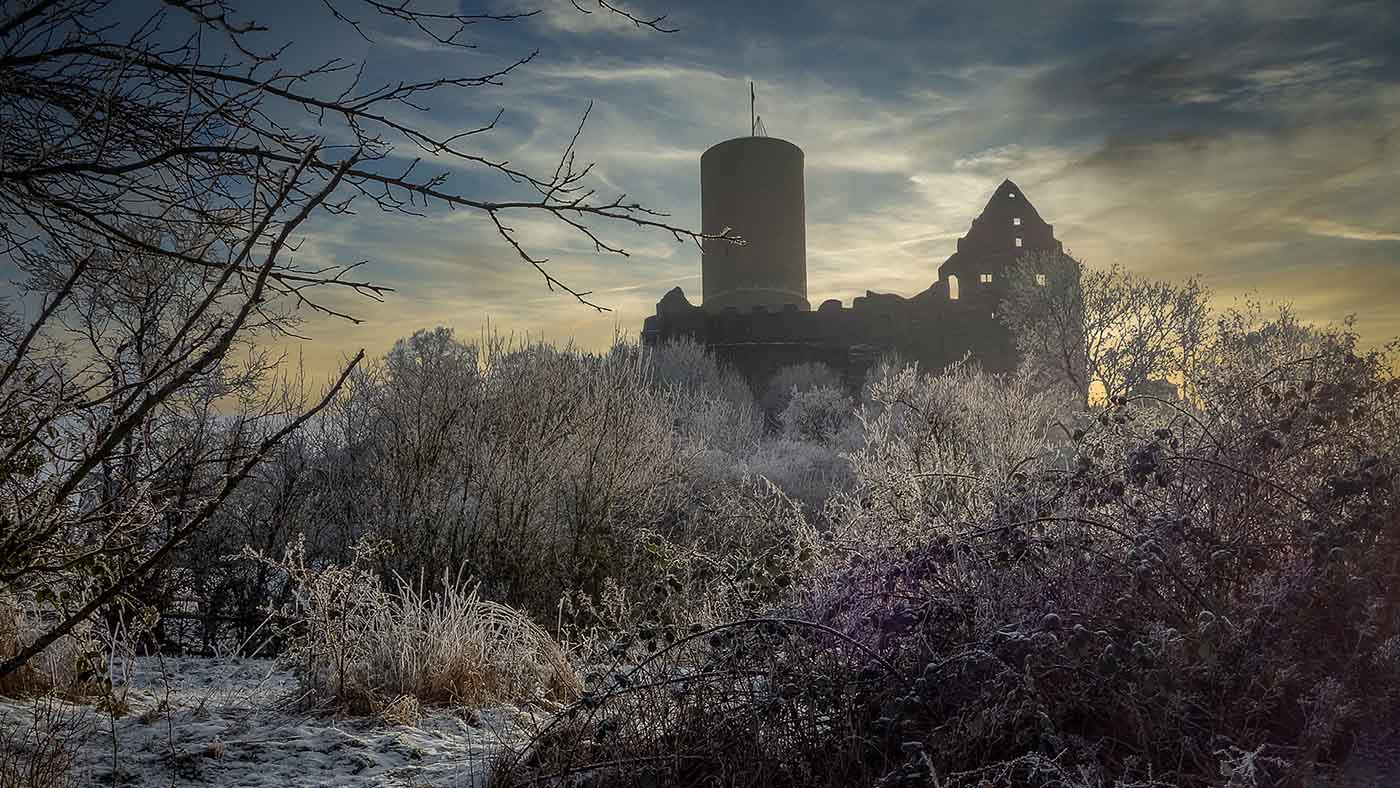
754	187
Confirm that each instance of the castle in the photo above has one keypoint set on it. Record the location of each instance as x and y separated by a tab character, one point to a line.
754	312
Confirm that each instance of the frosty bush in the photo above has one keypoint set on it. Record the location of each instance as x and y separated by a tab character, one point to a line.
796	377
521	466
816	414
809	472
937	449
1183	594
711	405
751	547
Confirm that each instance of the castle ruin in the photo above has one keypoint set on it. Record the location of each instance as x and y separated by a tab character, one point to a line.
754	312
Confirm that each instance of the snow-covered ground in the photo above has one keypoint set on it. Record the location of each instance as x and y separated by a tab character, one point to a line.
236	723
225	722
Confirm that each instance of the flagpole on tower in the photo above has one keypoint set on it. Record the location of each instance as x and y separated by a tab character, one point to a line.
753	122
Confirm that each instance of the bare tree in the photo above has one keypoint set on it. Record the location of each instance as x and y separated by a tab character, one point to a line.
104	123
1103	332
153	181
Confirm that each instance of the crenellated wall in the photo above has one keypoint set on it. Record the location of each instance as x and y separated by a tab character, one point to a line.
931	331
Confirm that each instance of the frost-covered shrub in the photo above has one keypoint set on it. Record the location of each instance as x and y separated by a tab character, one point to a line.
751	547
523	467
796	377
805	459
710	404
807	471
686	364
1197	596
816	414
731	704
937	448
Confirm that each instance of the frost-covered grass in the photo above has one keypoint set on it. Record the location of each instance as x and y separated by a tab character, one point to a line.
364	649
237	723
56	668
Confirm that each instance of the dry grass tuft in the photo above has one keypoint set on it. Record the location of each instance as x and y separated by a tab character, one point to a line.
402	710
58	668
363	650
214	750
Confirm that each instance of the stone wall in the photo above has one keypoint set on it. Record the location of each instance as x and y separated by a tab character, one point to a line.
934	328
932	331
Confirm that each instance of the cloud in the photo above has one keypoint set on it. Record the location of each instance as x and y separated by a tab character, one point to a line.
583	18
1332	229
1250	142
417	43
652	74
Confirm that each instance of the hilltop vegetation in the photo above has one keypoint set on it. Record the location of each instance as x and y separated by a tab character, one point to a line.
942	578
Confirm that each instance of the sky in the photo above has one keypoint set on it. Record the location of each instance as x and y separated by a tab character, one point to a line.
1252	143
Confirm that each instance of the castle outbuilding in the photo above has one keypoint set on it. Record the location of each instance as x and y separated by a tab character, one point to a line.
754	312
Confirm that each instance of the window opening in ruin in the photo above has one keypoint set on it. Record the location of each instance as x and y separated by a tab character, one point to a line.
1012	195
1018	243
1040	279
984	278
1016	220
952	287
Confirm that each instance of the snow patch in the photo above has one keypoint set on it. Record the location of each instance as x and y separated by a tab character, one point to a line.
194	721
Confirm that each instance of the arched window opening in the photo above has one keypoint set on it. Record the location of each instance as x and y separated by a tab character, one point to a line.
952	287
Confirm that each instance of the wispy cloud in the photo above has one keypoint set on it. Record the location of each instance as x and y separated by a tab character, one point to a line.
1330	229
1252	142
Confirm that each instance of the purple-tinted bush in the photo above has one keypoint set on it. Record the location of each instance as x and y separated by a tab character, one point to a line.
1188	594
